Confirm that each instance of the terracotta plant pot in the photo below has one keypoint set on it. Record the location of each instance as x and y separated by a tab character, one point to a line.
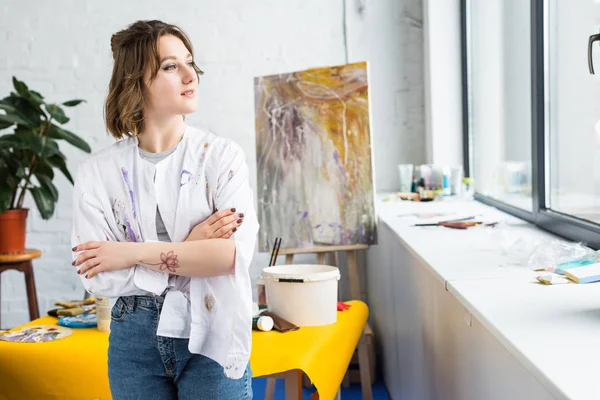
13	225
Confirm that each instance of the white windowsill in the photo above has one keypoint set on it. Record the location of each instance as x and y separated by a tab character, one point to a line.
552	330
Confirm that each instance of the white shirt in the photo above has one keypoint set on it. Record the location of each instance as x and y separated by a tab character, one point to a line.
115	198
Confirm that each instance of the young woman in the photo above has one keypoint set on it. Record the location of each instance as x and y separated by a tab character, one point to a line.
164	222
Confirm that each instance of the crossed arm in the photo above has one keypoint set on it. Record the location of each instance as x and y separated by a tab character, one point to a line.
205	253
202	258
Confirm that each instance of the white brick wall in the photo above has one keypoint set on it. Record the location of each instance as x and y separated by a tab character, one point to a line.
61	49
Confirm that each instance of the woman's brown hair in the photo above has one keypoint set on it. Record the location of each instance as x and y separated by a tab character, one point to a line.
133	49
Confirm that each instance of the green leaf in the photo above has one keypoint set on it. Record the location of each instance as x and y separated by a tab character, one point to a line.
57	113
44	168
59	133
5	190
5	197
23	130
46	147
48	186
21	173
12	141
59	162
13	119
35	99
4	125
72	103
11	159
36	93
20	87
44	201
25	108
41	146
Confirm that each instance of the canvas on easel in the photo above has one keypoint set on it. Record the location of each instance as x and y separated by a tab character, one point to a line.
314	158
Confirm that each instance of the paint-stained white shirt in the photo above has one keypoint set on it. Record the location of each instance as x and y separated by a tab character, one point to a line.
115	198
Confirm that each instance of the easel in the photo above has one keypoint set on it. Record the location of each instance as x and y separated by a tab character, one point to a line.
354	279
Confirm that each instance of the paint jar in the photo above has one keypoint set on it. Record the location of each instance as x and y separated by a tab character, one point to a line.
437	178
405	173
261	291
103	313
262	323
425	175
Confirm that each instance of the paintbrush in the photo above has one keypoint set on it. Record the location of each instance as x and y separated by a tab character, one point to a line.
277	251
444	222
273	252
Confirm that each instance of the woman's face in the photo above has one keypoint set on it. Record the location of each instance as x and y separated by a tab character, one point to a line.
173	90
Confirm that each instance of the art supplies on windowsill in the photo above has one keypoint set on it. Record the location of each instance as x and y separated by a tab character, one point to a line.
587	274
430	182
550	278
408	196
563	267
582	274
458	223
555	255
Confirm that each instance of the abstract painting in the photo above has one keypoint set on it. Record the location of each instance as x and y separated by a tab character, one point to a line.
314	161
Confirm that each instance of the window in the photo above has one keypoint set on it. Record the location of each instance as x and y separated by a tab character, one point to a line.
573	109
532	111
499	74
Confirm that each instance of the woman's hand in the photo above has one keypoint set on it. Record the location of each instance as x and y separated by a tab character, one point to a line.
96	257
220	225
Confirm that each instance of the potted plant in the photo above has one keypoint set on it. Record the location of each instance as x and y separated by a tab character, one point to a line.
29	155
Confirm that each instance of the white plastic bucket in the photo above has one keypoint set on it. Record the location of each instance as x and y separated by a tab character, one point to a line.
304	294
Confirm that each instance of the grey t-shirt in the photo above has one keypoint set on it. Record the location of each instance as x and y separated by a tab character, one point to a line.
154	158
181	283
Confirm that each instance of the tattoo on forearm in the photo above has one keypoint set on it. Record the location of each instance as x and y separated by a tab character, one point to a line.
167	261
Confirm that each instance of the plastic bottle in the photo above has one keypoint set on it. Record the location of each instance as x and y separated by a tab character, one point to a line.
446	173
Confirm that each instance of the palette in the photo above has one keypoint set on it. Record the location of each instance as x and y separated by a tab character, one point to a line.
36	334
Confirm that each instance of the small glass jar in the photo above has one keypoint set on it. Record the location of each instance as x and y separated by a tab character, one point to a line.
103	313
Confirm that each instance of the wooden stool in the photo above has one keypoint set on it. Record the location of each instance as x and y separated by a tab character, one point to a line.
22	262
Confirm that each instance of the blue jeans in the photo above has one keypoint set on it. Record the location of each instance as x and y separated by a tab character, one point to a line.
142	365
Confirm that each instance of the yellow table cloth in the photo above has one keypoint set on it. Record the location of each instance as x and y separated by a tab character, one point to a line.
322	352
76	367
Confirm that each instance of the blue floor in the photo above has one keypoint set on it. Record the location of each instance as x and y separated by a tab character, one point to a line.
350	393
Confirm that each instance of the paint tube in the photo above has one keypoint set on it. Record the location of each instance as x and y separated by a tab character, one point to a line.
262	323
